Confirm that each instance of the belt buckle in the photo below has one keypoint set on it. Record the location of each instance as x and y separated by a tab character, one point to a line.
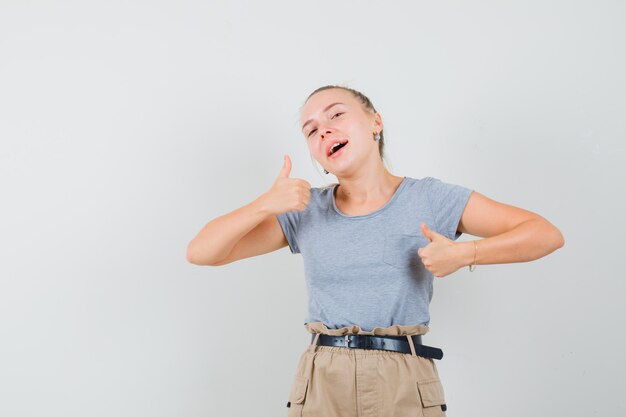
346	341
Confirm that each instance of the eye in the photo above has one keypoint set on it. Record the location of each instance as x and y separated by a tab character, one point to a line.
337	114
311	132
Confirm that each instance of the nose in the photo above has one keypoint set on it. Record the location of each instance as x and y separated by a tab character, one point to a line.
327	132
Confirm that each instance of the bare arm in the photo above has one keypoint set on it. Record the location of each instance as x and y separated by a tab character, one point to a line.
253	229
217	239
511	234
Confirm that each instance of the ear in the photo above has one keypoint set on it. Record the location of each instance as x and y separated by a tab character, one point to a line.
378	122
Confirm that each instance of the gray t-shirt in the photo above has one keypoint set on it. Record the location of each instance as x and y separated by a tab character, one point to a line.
365	270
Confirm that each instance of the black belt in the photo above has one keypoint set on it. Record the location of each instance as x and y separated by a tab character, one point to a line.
393	343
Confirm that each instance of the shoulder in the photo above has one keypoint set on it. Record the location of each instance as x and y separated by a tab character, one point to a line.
321	197
417	183
436	188
323	189
435	183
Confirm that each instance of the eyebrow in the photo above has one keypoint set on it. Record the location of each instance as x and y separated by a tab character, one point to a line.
327	107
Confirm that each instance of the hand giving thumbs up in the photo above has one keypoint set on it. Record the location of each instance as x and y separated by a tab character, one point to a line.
287	194
441	255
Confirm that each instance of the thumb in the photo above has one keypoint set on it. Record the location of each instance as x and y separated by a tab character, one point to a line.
430	234
286	169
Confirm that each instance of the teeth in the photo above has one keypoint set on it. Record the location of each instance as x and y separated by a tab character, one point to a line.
332	148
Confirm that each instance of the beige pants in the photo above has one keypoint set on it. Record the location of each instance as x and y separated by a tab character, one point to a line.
333	381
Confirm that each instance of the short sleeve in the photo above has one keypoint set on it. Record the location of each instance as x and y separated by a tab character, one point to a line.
447	202
289	222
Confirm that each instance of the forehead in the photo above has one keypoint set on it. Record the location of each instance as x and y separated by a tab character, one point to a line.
318	101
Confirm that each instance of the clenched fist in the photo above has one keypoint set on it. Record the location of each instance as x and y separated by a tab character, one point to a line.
287	194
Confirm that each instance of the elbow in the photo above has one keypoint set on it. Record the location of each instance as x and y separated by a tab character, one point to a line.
190	255
193	257
559	240
548	238
551	236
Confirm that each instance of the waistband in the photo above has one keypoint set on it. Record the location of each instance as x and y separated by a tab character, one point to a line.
399	344
395	330
409	332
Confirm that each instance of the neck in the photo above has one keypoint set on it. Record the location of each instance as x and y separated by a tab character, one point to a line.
367	187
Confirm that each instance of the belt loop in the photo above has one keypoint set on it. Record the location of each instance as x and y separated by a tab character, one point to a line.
410	339
313	344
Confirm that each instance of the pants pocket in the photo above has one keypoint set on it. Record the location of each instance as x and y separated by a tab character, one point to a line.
297	396
432	397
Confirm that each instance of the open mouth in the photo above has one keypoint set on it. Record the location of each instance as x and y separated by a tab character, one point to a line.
335	149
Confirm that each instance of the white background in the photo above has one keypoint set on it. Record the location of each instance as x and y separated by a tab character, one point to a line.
125	126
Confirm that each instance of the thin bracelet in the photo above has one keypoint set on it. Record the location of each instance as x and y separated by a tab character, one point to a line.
474	261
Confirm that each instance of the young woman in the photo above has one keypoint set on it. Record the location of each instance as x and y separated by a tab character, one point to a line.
372	245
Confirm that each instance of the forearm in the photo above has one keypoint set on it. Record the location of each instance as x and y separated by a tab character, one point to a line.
218	237
529	240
